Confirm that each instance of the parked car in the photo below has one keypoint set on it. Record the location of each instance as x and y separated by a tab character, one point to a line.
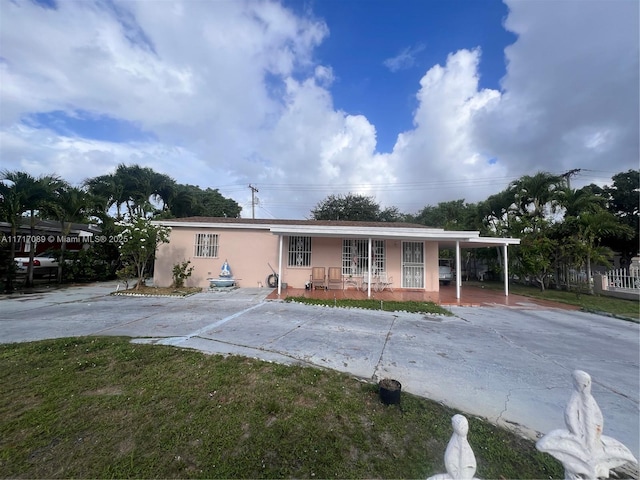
44	263
445	272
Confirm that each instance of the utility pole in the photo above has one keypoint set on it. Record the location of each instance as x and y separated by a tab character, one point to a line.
253	200
567	176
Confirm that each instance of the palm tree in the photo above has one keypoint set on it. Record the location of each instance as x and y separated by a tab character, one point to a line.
28	194
576	202
536	196
12	209
68	205
591	228
110	190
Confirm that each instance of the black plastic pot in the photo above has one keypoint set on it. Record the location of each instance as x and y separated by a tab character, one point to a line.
390	391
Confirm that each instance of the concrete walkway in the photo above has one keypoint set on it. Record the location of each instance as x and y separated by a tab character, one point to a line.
510	364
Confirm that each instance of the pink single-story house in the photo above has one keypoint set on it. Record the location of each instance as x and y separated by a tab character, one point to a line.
407	254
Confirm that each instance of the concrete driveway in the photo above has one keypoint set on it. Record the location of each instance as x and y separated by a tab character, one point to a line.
509	364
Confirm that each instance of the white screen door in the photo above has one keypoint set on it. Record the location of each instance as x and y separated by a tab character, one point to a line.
412	265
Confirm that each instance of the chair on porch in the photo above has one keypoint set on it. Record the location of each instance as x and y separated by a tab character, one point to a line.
318	278
364	285
335	277
384	281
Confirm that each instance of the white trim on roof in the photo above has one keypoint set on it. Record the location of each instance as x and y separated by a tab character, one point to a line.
467	239
253	226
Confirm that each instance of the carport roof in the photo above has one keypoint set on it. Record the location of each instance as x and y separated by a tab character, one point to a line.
351	229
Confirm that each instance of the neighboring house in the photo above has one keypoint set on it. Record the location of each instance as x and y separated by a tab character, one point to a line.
49	236
406	252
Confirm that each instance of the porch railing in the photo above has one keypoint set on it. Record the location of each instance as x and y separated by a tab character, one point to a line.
621	279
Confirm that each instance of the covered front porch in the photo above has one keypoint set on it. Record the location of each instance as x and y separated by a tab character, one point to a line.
474	295
372	256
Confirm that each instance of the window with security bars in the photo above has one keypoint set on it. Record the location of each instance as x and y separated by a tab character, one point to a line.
299	251
206	245
355	256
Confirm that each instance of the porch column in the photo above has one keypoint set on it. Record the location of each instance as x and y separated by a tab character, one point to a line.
458	276
369	271
506	270
279	264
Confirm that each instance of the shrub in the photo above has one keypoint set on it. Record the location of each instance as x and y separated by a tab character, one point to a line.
180	272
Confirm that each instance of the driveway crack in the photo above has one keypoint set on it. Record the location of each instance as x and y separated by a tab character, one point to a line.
386	340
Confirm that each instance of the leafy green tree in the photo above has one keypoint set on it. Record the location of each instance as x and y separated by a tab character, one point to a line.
623	202
534	258
139	240
353	207
453	215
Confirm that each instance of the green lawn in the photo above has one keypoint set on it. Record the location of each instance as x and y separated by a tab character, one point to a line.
371	304
105	408
592	303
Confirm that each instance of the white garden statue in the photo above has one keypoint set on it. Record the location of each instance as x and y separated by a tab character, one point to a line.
459	459
582	449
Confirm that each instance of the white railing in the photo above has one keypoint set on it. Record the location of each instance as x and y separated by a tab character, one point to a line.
623	280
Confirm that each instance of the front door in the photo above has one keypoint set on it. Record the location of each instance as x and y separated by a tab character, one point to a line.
412	265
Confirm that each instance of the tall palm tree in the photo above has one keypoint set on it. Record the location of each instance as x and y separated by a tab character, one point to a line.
577	202
164	189
110	190
536	196
69	204
142	186
591	228
29	194
12	209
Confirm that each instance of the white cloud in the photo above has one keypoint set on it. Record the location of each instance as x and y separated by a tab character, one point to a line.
571	91
440	153
233	95
403	60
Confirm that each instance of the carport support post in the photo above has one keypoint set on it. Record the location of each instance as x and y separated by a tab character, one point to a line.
369	272
506	270
280	265
458	276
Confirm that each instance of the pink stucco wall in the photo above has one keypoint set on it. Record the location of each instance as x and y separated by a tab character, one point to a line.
249	251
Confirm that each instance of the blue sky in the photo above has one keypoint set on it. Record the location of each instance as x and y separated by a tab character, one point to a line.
384	53
412	102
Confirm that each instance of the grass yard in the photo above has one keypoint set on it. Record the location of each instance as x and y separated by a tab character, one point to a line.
371	304
591	303
160	291
105	408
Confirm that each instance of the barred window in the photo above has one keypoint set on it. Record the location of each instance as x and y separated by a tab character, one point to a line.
299	251
206	245
355	256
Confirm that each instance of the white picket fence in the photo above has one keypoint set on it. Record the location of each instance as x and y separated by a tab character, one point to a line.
623	280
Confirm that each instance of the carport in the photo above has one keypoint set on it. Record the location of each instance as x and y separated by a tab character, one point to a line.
481	242
437	237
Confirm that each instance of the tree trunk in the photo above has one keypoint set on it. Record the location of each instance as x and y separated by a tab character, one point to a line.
589	285
32	253
63	248
140	277
12	265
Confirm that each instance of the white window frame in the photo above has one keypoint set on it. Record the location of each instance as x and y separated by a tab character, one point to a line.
299	252
206	245
355	256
